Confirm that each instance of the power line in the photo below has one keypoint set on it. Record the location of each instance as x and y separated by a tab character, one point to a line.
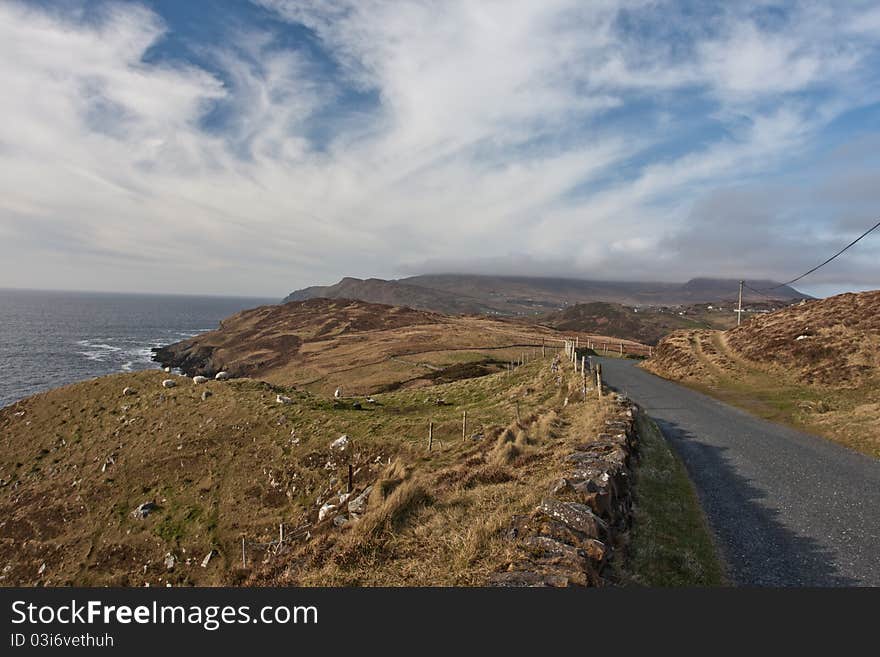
749	287
819	266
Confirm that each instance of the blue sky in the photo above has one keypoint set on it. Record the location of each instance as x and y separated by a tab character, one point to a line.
257	147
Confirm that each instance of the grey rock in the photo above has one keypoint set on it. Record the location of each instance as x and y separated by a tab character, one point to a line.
359	504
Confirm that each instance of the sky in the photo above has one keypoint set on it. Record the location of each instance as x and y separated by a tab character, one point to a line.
253	148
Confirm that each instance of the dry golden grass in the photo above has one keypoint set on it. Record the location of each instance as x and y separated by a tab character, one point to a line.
827	383
76	461
445	526
322	344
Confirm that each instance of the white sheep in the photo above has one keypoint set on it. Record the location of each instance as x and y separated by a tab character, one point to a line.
200	379
169	383
222	376
338	393
281	399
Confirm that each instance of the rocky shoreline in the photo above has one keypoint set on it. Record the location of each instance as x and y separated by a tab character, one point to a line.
189	357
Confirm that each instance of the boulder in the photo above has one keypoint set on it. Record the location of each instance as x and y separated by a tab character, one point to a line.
341	443
325	511
169	383
340	521
359	504
206	394
145	509
128	390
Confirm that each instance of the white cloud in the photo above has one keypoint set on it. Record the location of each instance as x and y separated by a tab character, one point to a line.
498	128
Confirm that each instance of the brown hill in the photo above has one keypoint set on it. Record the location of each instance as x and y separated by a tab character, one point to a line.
646	325
816	364
394	293
518	295
325	343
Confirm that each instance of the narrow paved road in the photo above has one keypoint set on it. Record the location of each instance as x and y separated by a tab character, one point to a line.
787	508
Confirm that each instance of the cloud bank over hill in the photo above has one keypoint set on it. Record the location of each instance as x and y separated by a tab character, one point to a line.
255	148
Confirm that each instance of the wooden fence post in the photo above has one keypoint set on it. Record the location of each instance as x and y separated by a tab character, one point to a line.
243	555
350	477
430	435
621	349
280	533
464	426
599	379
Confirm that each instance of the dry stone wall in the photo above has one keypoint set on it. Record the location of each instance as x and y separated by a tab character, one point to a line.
568	539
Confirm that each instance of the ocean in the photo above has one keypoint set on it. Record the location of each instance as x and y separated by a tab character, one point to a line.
49	339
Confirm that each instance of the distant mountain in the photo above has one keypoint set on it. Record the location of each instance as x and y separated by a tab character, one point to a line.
394	293
645	325
519	295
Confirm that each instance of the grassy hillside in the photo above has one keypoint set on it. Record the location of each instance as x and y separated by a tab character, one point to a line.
322	344
815	365
645	325
77	462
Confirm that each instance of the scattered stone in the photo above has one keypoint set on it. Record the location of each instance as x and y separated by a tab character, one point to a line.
222	376
169	383
340	521
198	379
167	370
343	498
41	569
145	509
111	460
128	390
170	561
359	504
325	511
370	400
341	443
281	399
356	406
206	394
207	559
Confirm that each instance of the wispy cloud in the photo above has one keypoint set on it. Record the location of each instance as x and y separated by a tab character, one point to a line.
606	139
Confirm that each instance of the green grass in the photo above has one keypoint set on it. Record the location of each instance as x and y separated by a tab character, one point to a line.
671	544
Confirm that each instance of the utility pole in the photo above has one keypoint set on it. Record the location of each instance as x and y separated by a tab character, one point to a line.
739	309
